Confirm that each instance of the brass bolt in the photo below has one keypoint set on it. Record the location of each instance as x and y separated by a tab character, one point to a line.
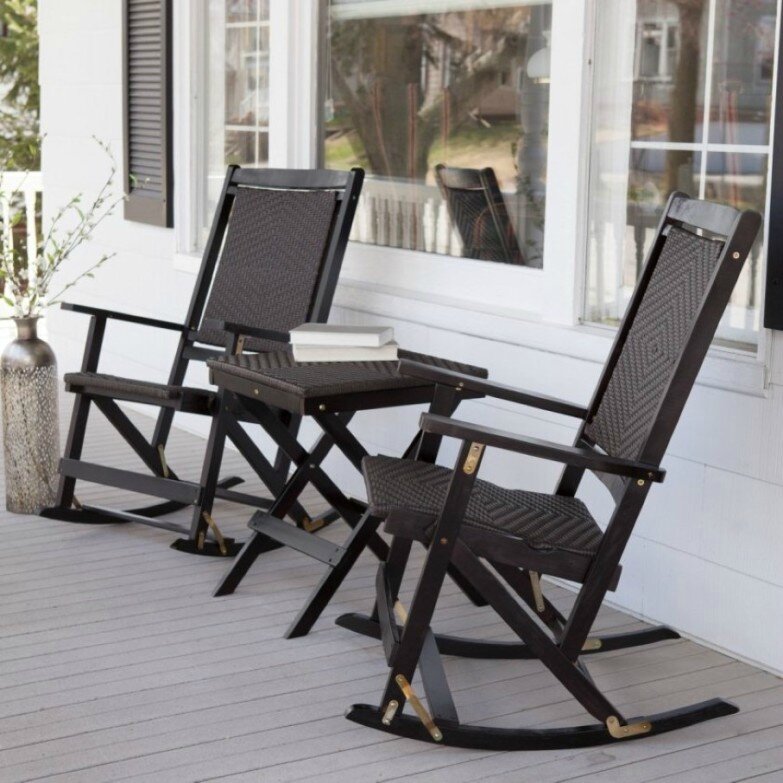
640	482
391	711
735	255
255	391
322	407
444	541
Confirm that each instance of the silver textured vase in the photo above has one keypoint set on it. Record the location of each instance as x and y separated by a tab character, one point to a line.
31	435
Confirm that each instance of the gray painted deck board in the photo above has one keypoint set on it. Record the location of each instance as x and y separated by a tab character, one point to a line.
116	664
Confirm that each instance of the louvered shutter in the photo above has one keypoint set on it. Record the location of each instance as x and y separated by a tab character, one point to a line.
147	115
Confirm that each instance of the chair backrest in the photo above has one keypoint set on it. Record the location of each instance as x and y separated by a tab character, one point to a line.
275	250
478	211
690	272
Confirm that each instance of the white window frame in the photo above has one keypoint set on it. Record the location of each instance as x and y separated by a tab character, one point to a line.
546	295
727	368
540	308
293	91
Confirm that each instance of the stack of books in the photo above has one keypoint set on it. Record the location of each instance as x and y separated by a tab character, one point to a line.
333	343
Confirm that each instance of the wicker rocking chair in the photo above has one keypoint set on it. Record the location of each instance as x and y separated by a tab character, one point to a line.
271	262
467	523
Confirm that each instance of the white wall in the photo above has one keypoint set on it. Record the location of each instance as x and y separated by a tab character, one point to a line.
706	555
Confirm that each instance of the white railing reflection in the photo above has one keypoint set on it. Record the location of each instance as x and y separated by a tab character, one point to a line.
405	215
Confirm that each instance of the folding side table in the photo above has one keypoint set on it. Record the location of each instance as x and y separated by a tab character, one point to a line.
256	387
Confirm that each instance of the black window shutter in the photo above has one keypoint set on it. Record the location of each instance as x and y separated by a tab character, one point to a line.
148	111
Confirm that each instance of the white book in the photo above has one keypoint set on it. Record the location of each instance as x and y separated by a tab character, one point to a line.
334	334
345	353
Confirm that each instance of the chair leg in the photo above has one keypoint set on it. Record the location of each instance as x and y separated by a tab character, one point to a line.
73	449
196	542
417	624
334	576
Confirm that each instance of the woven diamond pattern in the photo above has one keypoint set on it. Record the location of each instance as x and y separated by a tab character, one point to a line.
658	334
541	521
269	269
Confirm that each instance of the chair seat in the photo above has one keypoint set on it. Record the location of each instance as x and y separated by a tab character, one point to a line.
540	521
101	385
278	370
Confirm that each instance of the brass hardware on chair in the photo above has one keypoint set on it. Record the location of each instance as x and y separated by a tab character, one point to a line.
200	542
735	255
618	731
401	612
76	503
592	644
640	482
390	712
240	346
538	595
216	532
418	707
311	525
474	455
163	464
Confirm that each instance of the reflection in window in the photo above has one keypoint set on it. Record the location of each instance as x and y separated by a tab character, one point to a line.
236	89
658	64
415	89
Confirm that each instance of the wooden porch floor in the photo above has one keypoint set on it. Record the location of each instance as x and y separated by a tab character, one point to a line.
116	664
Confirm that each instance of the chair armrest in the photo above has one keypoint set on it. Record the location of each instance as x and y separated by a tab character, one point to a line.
129	318
460	380
215	324
543	449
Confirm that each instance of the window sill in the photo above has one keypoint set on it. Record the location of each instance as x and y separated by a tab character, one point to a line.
187	262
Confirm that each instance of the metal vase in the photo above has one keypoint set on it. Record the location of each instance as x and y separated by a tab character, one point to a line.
31	433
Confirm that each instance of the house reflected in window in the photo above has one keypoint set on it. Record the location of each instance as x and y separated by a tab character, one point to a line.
682	101
416	93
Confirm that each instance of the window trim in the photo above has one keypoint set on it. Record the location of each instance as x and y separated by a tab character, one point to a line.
761	357
548	294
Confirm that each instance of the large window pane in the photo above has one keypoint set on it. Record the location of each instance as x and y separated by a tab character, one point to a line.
413	86
658	63
236	96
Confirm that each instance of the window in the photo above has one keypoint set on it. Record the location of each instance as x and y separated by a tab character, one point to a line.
235	122
682	97
445	103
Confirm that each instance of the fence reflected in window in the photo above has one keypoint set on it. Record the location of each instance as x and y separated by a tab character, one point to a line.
683	93
447	110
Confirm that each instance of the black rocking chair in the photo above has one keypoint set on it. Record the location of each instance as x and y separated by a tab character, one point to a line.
683	291
271	262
